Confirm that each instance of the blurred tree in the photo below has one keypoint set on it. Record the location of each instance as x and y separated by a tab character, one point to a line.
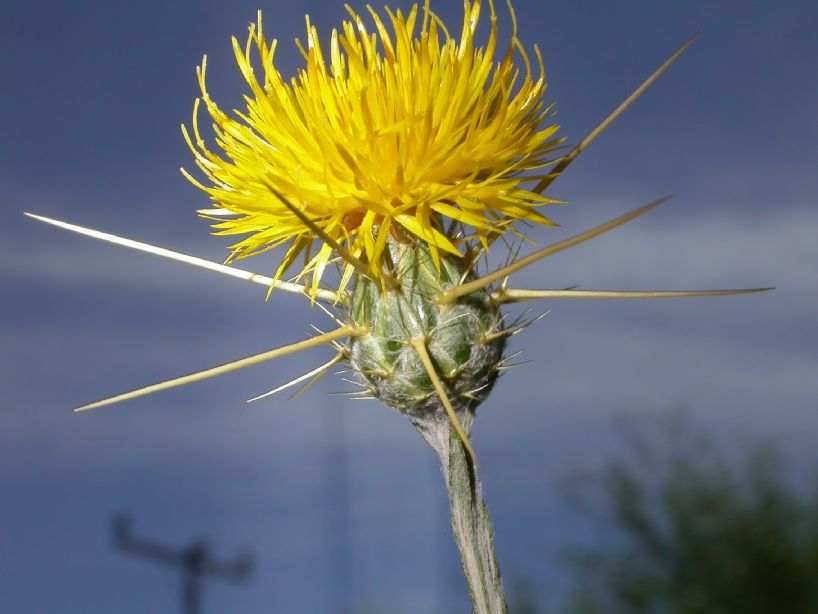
524	597
697	530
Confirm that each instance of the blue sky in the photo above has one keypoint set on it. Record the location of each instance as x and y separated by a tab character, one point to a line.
340	500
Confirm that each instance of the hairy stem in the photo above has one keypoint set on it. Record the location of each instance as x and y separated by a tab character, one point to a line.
471	524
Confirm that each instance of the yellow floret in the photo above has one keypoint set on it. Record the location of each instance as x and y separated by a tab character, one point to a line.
409	133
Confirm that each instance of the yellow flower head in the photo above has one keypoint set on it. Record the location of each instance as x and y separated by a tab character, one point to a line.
414	135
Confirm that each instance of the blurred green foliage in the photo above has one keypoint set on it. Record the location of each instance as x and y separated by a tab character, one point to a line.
696	527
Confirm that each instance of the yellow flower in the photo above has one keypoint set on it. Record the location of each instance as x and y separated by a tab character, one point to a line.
418	136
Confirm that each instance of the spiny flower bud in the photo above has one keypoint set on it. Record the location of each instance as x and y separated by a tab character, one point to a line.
464	339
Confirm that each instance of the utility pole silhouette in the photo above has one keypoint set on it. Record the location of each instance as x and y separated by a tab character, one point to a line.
195	561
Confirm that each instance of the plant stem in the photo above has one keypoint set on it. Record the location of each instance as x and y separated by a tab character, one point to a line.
471	524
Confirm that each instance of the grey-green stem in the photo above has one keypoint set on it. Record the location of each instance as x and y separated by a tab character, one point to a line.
471	524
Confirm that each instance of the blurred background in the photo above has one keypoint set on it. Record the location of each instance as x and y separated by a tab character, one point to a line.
340	501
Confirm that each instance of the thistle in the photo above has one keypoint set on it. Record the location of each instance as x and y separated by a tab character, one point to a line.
401	156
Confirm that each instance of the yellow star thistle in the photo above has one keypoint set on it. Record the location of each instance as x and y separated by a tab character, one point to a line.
397	133
395	154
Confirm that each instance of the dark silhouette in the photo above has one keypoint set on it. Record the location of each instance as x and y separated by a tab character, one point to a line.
195	561
699	527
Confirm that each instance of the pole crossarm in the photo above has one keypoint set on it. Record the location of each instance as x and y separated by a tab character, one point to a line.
194	561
